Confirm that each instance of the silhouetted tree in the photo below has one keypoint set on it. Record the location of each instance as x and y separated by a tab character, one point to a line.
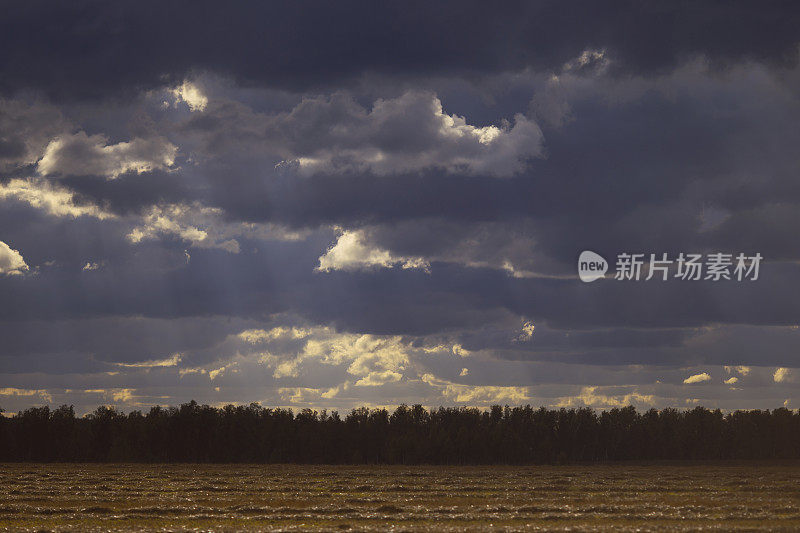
409	435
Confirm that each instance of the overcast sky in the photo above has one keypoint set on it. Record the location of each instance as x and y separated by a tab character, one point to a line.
339	204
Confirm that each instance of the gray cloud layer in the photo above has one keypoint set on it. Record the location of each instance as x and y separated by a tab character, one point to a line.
392	212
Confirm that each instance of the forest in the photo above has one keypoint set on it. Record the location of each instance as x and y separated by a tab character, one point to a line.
408	435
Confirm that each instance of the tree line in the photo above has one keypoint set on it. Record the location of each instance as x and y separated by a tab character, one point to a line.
408	435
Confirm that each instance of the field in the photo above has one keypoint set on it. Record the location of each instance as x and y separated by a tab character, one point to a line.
254	497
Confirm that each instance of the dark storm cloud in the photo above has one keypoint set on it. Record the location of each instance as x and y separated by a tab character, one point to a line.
421	304
87	49
659	151
111	340
25	130
132	192
337	135
203	174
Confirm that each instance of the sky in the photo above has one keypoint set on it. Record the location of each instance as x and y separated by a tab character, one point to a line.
356	203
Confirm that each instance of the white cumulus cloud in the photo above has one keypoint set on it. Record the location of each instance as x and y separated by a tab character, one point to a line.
191	94
697	378
11	261
336	134
51	198
352	251
780	375
406	134
203	227
82	154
